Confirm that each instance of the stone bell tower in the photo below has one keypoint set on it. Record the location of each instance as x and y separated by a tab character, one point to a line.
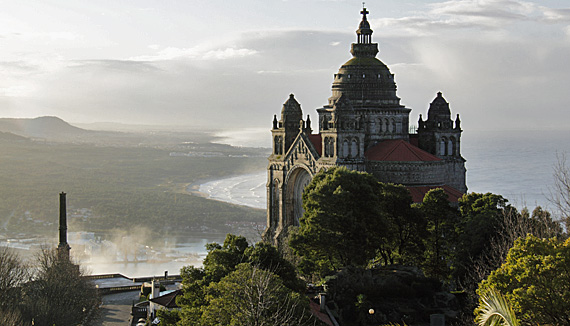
441	136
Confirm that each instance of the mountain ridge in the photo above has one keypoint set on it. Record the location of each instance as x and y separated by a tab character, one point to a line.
45	127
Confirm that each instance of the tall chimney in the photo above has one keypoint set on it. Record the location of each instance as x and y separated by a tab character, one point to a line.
63	247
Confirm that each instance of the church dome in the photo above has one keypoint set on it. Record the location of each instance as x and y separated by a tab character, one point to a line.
364	79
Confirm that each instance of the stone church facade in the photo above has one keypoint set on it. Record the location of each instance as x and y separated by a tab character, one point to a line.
365	128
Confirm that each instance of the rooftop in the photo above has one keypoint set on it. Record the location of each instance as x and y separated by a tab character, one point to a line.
398	151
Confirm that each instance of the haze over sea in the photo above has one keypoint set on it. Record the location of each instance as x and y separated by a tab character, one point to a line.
515	164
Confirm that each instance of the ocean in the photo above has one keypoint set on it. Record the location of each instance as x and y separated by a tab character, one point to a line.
518	165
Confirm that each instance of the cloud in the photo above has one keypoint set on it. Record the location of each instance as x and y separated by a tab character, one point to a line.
492	72
18	78
16	91
556	15
198	53
228	53
42	37
200	88
493	85
494	9
19	68
486	15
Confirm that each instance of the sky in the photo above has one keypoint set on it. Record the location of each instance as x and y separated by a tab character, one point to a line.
501	64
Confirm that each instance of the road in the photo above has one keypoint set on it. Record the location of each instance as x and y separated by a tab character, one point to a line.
116	309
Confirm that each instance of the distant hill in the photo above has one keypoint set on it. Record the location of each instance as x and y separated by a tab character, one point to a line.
8	136
42	127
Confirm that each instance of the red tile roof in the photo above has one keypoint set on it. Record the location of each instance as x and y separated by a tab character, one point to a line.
317	141
398	150
316	311
418	193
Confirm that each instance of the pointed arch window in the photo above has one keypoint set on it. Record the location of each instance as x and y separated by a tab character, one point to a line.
278	145
329	146
274	200
354	148
453	146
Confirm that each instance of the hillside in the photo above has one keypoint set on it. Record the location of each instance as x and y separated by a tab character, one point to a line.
51	128
119	187
8	136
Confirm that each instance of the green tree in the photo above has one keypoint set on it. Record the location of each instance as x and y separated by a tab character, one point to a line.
403	244
199	284
488	229
267	257
58	294
535	278
251	296
543	225
441	227
482	219
168	317
560	192
12	275
221	260
192	301
342	224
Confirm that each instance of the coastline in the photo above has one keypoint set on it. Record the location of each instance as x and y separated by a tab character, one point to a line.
519	167
243	189
194	189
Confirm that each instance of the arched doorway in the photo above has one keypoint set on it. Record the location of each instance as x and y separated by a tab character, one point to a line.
298	179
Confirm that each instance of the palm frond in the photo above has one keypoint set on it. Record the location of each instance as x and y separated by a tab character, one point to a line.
495	310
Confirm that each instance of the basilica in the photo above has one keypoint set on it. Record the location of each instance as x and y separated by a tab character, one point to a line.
365	128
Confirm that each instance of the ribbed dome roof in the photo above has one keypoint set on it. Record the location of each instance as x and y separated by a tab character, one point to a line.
364	61
364	79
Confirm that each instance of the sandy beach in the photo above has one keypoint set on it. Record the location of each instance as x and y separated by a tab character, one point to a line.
246	190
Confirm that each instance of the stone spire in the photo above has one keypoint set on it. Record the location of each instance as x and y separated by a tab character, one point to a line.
63	248
364	33
439	110
365	79
364	47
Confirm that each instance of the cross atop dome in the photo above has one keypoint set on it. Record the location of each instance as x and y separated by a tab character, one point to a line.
364	12
364	33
